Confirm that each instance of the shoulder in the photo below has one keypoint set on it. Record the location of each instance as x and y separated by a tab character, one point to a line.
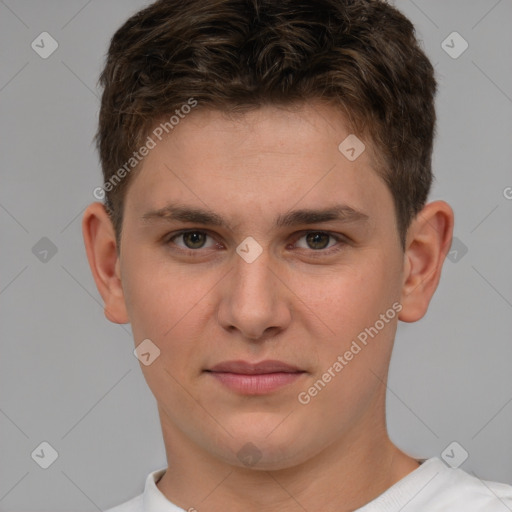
133	505
151	499
461	491
436	487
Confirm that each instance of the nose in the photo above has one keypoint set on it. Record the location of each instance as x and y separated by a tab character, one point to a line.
254	302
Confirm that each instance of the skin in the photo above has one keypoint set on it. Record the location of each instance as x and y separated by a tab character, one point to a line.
297	303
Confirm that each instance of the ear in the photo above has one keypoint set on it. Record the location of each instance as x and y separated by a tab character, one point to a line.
100	244
428	241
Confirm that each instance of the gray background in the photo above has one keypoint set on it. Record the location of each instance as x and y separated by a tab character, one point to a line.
69	377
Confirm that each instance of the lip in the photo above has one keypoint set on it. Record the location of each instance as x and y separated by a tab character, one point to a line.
255	378
246	368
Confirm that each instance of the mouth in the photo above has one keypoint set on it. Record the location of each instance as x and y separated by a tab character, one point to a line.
255	378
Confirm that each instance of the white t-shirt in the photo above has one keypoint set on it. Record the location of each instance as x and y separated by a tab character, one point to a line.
432	487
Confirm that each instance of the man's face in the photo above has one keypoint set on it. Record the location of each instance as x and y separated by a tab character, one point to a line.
312	291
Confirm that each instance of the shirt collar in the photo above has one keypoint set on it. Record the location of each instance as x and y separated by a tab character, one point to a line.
154	500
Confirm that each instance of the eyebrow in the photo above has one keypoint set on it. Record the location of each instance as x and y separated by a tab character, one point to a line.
175	212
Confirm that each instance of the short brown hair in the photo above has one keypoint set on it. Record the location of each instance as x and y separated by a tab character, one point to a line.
360	55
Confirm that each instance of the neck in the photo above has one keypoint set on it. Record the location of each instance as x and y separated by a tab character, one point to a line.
344	476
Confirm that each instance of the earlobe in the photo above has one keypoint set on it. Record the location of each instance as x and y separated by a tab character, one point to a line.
428	241
101	248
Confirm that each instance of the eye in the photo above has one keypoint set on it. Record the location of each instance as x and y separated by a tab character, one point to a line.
318	240
192	240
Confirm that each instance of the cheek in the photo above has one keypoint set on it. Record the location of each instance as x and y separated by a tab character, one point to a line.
351	297
350	303
164	308
155	297
168	306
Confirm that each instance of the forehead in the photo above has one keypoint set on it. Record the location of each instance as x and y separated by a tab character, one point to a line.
265	160
300	130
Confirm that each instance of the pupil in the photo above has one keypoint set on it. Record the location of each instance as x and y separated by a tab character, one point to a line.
315	242
194	240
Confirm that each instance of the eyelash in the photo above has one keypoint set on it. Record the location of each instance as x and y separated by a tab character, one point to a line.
341	241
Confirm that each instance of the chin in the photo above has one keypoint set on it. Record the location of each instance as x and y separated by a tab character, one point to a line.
264	458
266	449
